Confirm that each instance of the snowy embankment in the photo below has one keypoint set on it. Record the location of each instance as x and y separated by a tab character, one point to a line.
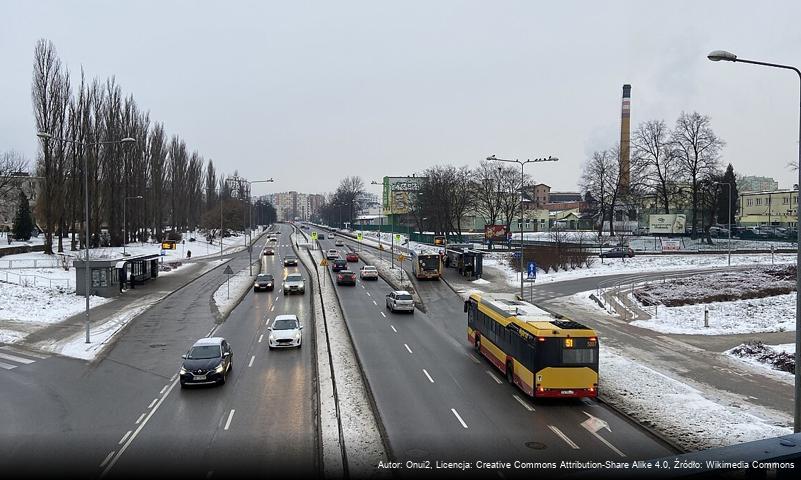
233	289
362	438
676	410
776	358
396	277
24	310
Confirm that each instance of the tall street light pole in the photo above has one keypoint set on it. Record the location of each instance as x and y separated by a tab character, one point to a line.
125	141
728	220
250	247
717	56
124	224
380	220
522	180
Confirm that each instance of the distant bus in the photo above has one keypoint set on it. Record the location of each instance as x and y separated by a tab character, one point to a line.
426	264
544	355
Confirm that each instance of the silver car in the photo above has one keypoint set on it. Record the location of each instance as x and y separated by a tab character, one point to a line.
293	283
400	300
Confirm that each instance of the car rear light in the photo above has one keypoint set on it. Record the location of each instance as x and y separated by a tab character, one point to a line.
540	339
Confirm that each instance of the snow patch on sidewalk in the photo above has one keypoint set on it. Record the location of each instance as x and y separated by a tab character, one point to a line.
100	335
227	296
677	411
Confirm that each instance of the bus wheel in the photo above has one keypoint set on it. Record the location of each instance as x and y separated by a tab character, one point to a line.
510	373
478	344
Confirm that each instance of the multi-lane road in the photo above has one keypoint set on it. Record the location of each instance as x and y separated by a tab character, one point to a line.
438	401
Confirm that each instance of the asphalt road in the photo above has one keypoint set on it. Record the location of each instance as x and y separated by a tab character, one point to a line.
125	414
438	401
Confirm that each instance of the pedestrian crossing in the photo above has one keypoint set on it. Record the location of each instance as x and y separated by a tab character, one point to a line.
11	357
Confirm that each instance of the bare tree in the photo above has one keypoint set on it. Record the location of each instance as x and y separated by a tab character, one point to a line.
11	165
487	190
600	178
652	146
697	152
461	196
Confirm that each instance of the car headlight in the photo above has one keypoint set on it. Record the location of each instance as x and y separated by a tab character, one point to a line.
219	368
255	284
269	284
271	338
297	337
182	371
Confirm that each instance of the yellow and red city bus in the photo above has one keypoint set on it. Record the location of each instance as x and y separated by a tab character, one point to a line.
543	354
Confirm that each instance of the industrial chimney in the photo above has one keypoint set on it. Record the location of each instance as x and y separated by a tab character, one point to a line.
625	140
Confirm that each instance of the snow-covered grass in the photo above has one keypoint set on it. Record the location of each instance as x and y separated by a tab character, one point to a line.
776	358
769	314
685	415
26	309
227	296
638	264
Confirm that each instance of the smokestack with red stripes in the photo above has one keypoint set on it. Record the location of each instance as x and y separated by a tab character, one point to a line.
625	140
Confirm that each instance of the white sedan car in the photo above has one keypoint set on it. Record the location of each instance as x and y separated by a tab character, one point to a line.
368	272
286	331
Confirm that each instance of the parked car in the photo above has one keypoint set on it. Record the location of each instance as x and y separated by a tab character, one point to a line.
716	231
339	243
400	300
294	283
339	264
346	277
618	252
286	331
290	261
352	257
264	281
641	231
332	254
269	251
210	360
368	272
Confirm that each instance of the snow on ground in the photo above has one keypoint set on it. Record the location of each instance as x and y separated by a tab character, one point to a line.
759	315
640	263
683	414
778	359
228	295
100	335
25	309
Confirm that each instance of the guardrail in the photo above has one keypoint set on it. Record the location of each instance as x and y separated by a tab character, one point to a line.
58	262
33	280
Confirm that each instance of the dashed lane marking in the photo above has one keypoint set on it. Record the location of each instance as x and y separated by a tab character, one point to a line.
564	437
261	337
429	376
524	403
250	364
497	380
458	417
383	314
374	303
108	457
124	438
228	422
393	328
407	348
165	387
473	358
153	403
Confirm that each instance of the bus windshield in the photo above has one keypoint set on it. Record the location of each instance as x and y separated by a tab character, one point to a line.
429	262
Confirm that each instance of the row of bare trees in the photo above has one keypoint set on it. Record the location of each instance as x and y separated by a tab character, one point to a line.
676	166
176	184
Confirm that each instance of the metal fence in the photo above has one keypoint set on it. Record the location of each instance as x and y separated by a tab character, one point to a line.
59	262
27	280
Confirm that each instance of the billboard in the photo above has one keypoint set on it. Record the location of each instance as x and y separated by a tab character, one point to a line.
399	194
667	223
495	233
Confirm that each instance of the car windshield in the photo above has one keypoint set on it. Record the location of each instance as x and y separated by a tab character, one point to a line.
201	352
294	278
264	276
369	268
346	272
285	324
290	258
404	297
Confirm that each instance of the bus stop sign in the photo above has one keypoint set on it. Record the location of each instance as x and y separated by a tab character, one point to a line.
532	271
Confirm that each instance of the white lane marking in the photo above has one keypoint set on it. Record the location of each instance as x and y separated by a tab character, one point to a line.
407	348
23	352
14	358
368	294
383	314
272	308
375	303
108	457
522	402
141	417
280	290
230	416
429	376
125	437
362	286
497	380
261	337
605	441
165	387
153	403
393	328
458	417
267	322
473	358
563	437
7	366
250	364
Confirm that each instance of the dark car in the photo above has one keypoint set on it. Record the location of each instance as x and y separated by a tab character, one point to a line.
339	264
618	252
352	257
269	251
209	361
346	277
264	281
290	260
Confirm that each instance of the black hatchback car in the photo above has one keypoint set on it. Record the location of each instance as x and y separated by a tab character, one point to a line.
264	281
290	260
209	361
339	264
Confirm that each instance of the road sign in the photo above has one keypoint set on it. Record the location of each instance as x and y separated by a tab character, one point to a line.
228	270
532	270
314	236
401	258
168	245
324	262
359	236
397	237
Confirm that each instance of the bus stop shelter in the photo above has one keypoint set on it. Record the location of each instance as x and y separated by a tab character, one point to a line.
107	274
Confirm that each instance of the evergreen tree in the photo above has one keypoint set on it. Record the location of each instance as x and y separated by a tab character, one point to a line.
23	221
723	197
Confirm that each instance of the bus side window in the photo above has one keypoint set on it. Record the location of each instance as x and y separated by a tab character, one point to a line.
466	306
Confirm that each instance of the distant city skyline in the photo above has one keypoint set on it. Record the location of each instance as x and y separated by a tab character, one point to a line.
310	93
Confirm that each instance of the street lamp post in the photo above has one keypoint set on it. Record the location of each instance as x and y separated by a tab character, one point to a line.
522	180
728	220
124	224
125	141
250	246
717	56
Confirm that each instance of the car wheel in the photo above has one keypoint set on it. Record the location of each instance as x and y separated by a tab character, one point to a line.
510	373
183	385
269	347
478	344
285	293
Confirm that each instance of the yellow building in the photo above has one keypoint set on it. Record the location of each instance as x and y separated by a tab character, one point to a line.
779	207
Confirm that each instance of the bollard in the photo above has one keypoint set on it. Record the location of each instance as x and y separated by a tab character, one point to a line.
706	317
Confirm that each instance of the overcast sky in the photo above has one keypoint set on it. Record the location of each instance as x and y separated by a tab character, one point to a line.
309	92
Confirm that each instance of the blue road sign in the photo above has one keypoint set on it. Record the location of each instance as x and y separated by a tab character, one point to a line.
532	270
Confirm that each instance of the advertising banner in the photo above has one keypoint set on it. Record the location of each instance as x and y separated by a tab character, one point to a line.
399	193
495	233
667	223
